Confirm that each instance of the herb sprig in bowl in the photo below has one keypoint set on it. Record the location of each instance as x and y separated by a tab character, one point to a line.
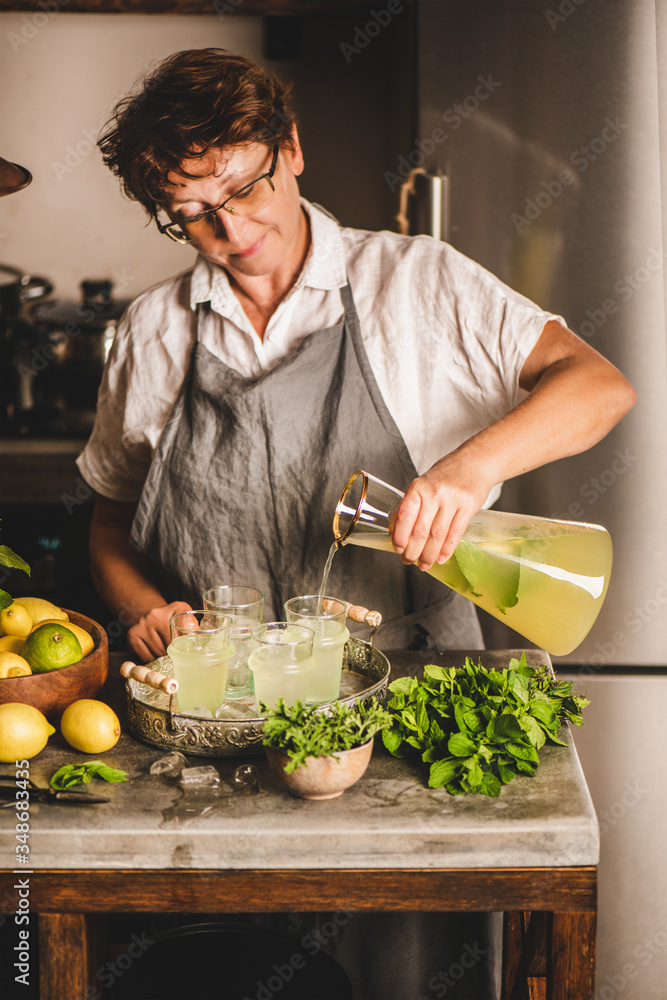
303	731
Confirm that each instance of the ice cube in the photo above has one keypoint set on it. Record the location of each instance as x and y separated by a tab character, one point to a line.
246	779
170	764
198	777
200	711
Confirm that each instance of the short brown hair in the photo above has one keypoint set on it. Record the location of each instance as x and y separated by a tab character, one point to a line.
194	101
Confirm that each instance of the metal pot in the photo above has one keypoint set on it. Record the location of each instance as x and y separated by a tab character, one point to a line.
74	340
18	291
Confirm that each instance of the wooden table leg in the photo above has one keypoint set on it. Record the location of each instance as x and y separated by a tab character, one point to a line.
512	947
571	955
524	955
71	951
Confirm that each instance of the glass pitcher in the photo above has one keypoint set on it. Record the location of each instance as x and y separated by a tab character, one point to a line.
544	578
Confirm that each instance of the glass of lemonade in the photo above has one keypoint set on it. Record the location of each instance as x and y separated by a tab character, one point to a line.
281	661
200	650
246	606
326	616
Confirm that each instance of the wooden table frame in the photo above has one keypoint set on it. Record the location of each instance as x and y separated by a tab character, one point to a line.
549	927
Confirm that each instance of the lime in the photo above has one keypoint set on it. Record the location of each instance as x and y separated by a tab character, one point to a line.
24	731
40	609
51	647
15	620
90	726
85	638
13	665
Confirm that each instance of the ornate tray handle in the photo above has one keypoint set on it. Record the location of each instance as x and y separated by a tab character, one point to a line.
151	677
364	616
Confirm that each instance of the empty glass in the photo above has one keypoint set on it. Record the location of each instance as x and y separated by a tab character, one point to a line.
281	661
327	619
246	606
200	649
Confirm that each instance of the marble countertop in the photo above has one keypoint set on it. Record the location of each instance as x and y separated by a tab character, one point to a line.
389	819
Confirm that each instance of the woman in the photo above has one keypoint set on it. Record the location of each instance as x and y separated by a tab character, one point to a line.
240	396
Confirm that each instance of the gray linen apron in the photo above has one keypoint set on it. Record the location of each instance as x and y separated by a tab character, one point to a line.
242	489
247	473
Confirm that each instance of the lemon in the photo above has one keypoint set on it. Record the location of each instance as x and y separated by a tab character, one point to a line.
11	643
24	731
40	609
90	726
85	638
13	665
15	620
51	647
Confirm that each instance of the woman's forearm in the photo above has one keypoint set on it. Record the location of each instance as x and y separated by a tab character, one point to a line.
120	574
123	580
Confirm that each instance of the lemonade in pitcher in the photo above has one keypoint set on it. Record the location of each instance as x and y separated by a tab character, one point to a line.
544	578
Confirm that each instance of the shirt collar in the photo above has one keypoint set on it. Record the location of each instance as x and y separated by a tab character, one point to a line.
324	267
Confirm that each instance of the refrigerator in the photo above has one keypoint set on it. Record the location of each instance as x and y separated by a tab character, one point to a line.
539	150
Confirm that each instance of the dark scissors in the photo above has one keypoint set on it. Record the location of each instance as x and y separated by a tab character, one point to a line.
8	784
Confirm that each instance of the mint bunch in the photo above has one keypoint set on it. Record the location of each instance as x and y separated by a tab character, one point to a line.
80	774
478	728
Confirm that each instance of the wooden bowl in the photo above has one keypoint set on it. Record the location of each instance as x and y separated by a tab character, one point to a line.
321	777
51	693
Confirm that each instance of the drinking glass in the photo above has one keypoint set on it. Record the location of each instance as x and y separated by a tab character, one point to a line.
246	606
200	650
327	619
281	661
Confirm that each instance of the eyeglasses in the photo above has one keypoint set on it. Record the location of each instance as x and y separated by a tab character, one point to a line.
248	200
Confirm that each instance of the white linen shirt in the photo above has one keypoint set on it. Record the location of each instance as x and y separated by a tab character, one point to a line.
446	341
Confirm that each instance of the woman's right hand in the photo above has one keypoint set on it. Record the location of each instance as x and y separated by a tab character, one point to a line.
150	636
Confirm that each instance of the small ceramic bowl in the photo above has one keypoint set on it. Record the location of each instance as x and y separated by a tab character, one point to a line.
51	693
321	777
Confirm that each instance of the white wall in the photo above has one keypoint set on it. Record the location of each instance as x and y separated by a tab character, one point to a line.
56	89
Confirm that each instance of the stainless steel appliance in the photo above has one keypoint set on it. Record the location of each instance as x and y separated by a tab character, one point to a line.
549	123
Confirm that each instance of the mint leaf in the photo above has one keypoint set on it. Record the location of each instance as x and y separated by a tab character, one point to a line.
442	771
461	745
9	558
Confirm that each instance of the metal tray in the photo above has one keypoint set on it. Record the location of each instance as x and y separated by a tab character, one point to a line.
152	718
